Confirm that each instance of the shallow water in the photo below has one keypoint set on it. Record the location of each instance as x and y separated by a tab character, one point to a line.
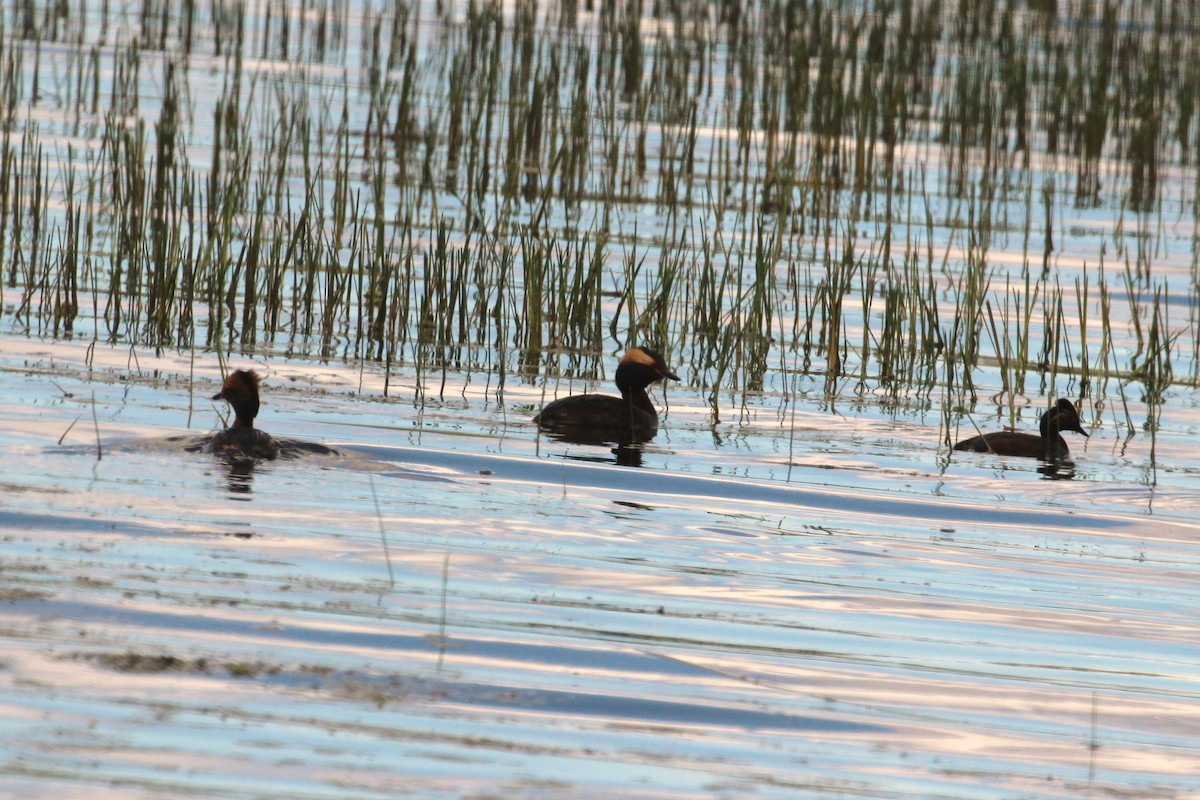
454	607
795	590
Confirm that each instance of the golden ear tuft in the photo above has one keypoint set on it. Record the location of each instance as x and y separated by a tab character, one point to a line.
638	355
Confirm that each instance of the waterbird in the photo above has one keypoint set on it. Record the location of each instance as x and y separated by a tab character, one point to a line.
241	438
603	418
1048	445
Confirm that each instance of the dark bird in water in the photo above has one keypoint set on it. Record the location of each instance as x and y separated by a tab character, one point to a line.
627	419
1048	445
241	438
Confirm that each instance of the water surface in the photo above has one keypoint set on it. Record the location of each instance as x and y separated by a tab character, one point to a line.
796	590
852	614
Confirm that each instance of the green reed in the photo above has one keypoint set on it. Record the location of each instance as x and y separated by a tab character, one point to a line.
778	183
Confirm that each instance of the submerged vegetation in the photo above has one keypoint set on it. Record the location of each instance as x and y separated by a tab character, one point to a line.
928	201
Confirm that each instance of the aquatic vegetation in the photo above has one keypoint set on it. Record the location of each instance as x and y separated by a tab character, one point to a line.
892	198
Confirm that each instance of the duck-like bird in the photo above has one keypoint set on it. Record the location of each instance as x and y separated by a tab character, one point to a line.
1048	445
241	438
604	418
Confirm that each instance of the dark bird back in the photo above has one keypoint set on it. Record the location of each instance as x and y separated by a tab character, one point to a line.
597	418
1048	445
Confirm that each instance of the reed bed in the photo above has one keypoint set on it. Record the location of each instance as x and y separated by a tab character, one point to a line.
922	200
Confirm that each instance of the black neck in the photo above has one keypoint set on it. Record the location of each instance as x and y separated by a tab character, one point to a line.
243	420
637	397
1049	425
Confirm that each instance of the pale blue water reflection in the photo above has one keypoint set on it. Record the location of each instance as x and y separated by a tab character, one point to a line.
838	613
809	597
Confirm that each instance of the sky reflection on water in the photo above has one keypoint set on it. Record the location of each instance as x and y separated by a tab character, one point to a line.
733	617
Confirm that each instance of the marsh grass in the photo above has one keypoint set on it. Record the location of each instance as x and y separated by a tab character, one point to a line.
759	189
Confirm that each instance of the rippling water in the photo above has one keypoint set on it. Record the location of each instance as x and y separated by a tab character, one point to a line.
454	607
811	597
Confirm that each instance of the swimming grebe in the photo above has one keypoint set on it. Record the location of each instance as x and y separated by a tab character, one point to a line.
604	418
241	438
1049	446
